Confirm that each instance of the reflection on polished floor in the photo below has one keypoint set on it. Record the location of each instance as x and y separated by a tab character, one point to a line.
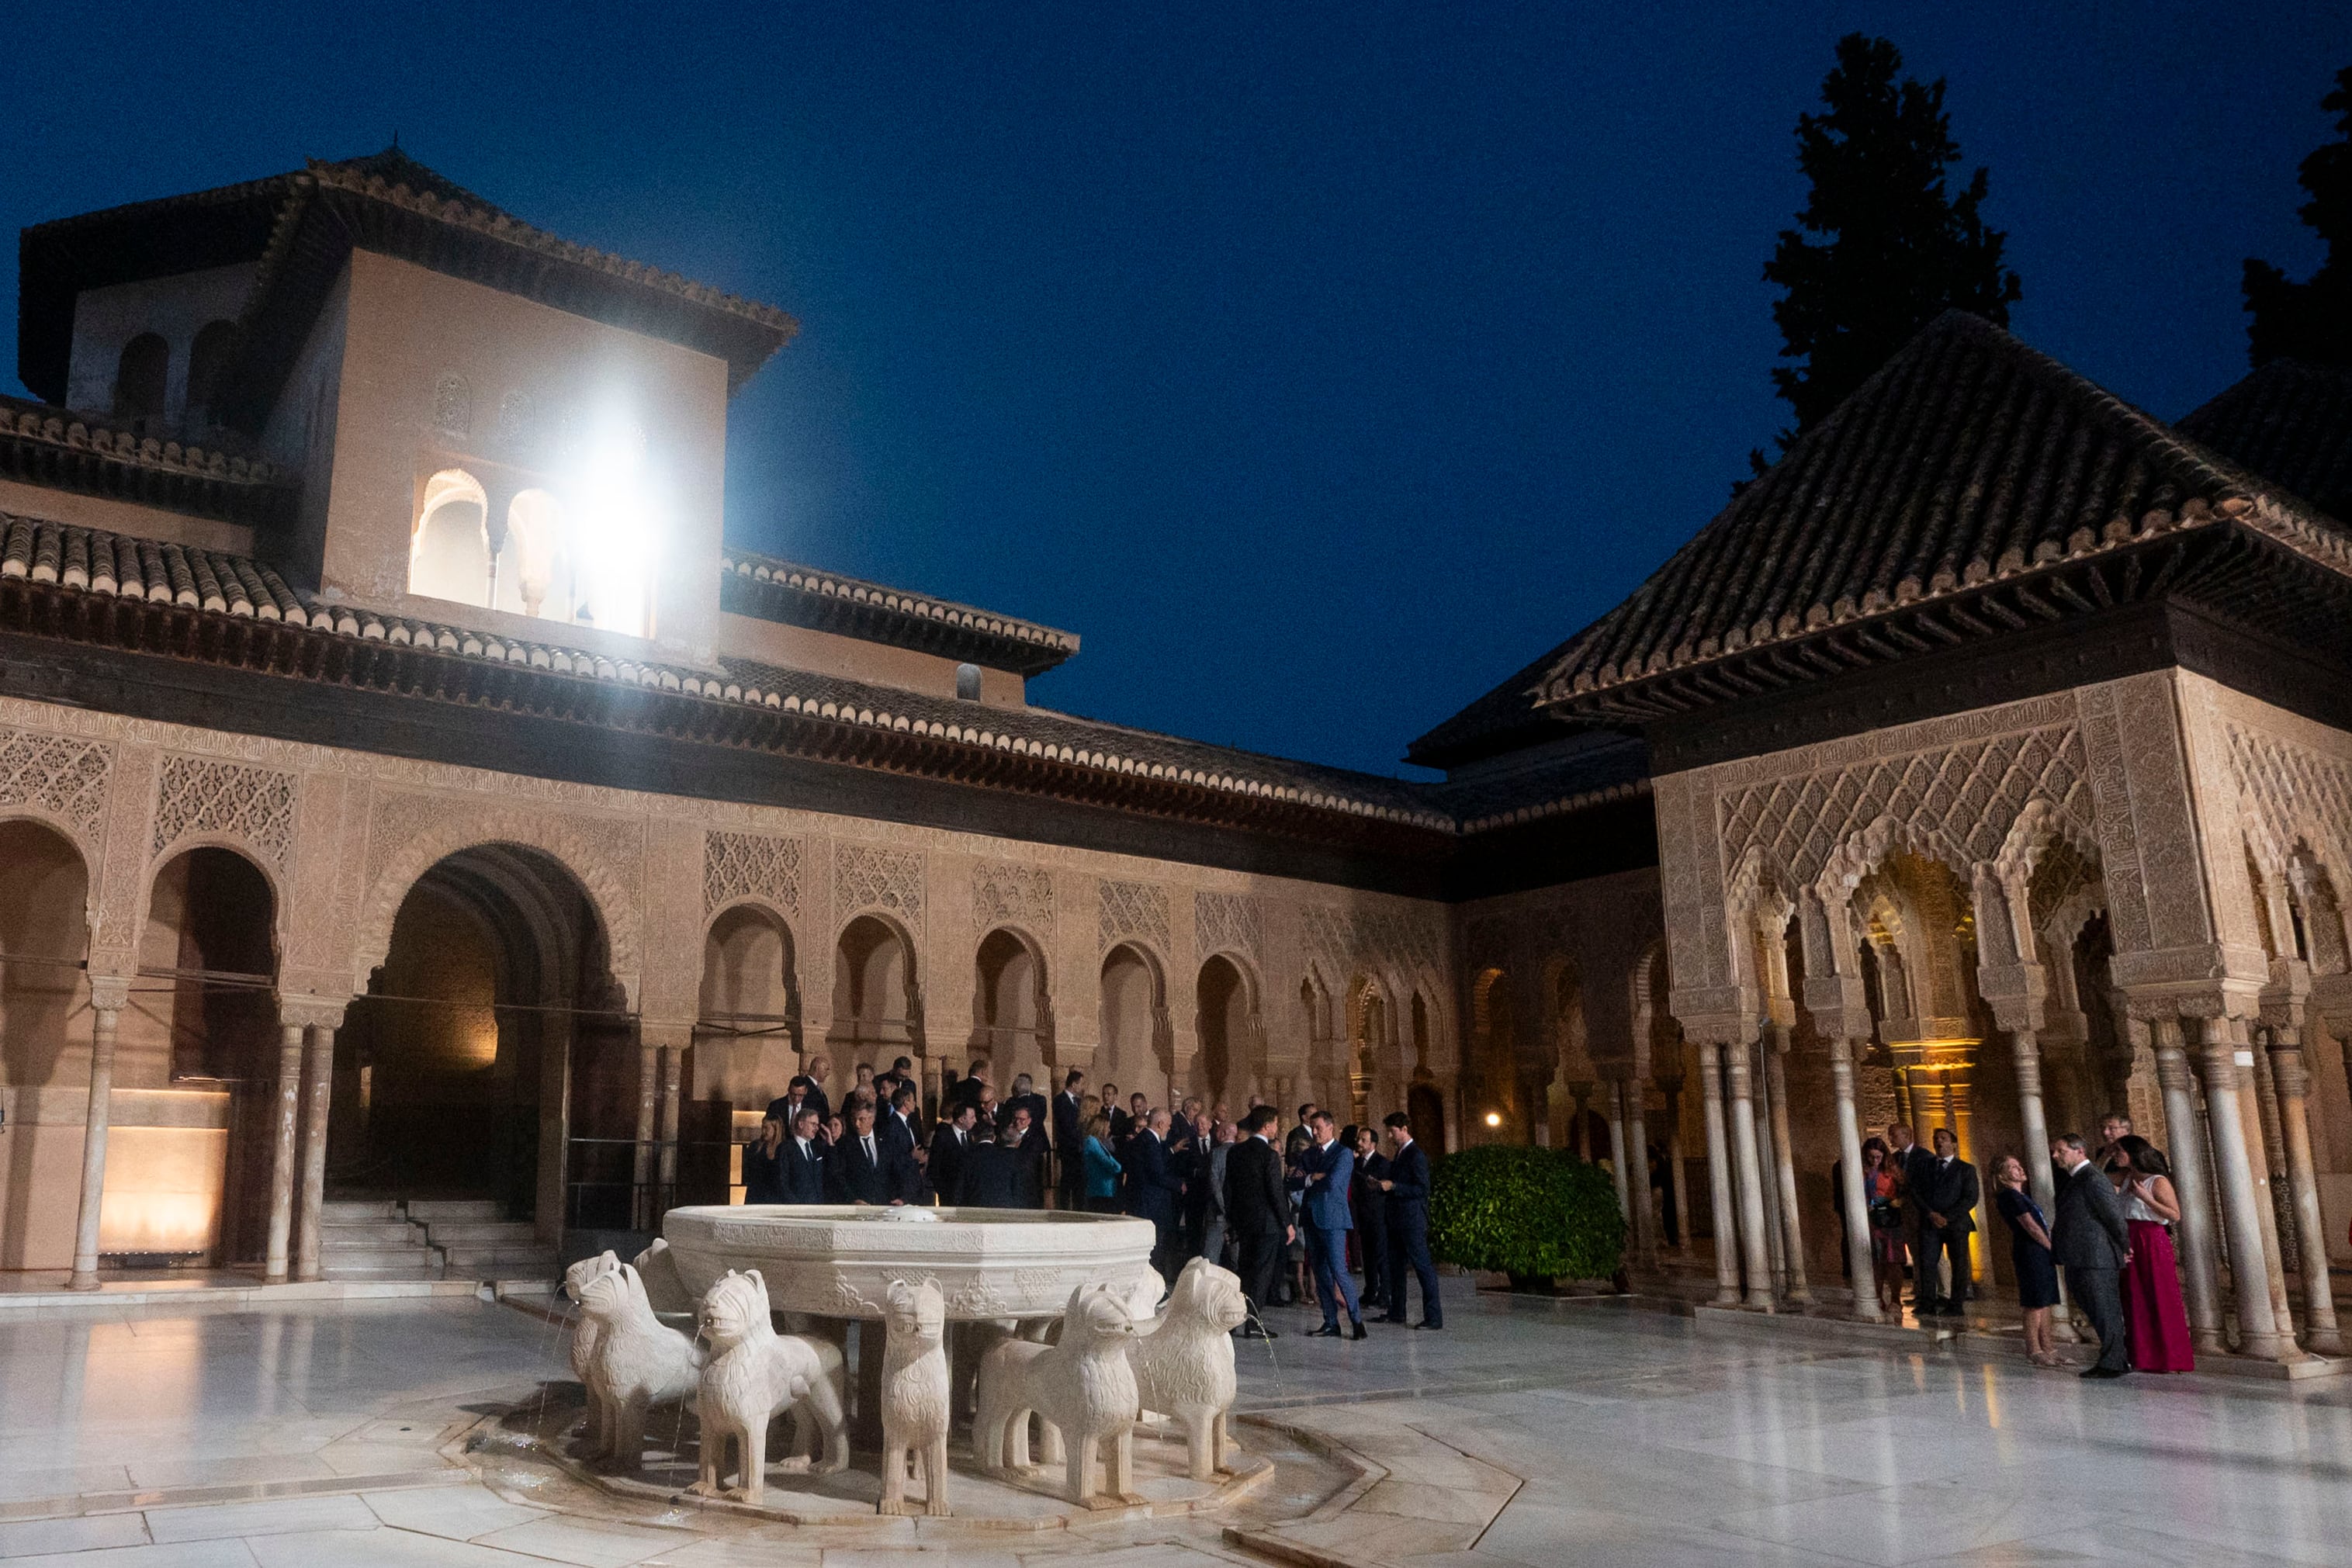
1530	1433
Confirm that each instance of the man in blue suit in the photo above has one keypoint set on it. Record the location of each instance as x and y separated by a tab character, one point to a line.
1331	1168
801	1165
1407	1187
1153	1185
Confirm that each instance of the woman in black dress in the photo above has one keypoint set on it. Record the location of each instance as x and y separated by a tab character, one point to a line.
763	1172
2029	1256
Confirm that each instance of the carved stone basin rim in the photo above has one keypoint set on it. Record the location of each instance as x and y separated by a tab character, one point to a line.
836	1260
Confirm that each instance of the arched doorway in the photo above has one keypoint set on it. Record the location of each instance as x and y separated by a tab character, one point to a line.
1010	1013
1494	1089
1137	1041
877	1001
491	1060
44	937
747	1032
203	1019
1222	995
1426	1107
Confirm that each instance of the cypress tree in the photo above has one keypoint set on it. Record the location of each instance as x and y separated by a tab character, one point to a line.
2312	320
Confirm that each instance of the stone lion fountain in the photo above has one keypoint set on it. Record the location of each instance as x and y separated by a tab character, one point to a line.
947	1308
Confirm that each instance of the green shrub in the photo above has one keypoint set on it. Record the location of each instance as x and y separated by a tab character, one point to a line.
1530	1213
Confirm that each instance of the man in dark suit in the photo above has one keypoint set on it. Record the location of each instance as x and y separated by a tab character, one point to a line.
1406	1188
1371	1205
967	1088
819	1068
786	1107
865	1169
1154	1188
1951	1194
2090	1240
1025	1095
1257	1213
991	1177
1024	1143
801	1161
951	1142
1331	1168
1121	1126
896	1125
1069	1165
1916	1165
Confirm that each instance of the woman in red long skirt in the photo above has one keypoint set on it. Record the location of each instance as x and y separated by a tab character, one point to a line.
2154	1315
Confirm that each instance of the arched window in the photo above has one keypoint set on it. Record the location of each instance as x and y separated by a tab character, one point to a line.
207	362
449	552
138	378
535	571
968	683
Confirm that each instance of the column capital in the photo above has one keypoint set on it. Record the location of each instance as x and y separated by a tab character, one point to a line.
2017	994
308	1012
110	993
675	1033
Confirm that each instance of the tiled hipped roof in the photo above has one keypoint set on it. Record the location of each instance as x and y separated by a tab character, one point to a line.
1968	460
828	602
51	447
1015	747
2290	422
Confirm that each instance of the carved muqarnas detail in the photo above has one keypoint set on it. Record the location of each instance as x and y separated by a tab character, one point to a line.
1959	801
58	773
1345	940
1023	894
751	865
2297	793
253	805
1228	922
866	876
1134	909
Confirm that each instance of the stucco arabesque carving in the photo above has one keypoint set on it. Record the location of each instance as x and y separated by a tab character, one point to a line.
1005	894
1229	923
2295	796
63	778
409	835
199	796
751	865
1133	909
871	877
1398	944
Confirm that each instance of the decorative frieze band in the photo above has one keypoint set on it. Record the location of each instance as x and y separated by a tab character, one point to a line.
751	865
254	806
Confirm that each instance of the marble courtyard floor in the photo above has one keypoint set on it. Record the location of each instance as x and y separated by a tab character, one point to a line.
1529	1434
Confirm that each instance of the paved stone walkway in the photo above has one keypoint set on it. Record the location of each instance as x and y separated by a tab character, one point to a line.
1528	1435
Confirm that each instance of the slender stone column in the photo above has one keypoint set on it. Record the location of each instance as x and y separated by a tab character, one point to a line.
1637	1173
648	1096
1784	1161
1719	1177
673	1067
316	1089
1766	1166
2242	1200
2191	1180
1853	1199
2293	1085
107	996
1678	1183
2258	1159
1617	1152
1740	1084
2033	1121
281	1160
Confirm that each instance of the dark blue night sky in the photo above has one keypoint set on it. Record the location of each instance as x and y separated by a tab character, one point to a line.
1320	366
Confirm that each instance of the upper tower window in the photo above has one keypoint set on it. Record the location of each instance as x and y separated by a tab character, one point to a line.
207	362
449	552
138	378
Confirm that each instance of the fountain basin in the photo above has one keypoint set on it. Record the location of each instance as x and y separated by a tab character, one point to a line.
838	1260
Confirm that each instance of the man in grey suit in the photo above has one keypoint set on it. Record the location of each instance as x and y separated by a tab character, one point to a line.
2089	1239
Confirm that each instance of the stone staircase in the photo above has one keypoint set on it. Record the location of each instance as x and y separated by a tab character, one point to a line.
394	1239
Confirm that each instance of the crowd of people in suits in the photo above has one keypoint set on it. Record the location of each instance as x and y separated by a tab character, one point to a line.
2111	1234
1285	1218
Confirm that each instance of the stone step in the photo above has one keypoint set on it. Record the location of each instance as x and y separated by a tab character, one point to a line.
531	1261
456	1211
371	1262
334	1233
483	1232
352	1210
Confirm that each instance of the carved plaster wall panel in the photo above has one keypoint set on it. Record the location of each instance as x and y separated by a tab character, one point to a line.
1133	909
1344	941
65	776
200	796
1229	923
121	885
1005	894
870	877
751	865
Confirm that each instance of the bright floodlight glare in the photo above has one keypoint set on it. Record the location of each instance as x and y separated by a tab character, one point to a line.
1494	1118
619	526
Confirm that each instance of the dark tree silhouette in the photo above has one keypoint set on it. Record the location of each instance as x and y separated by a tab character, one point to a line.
2311	321
1883	245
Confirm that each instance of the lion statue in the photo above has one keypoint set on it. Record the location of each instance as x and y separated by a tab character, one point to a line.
753	1372
1184	1362
1081	1386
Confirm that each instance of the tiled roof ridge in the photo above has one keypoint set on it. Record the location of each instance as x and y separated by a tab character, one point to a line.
242	190
1559	805
841	585
1624	647
32	420
495	224
97	562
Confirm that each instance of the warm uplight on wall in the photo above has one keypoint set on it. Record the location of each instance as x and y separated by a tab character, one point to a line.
617	528
1494	1118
